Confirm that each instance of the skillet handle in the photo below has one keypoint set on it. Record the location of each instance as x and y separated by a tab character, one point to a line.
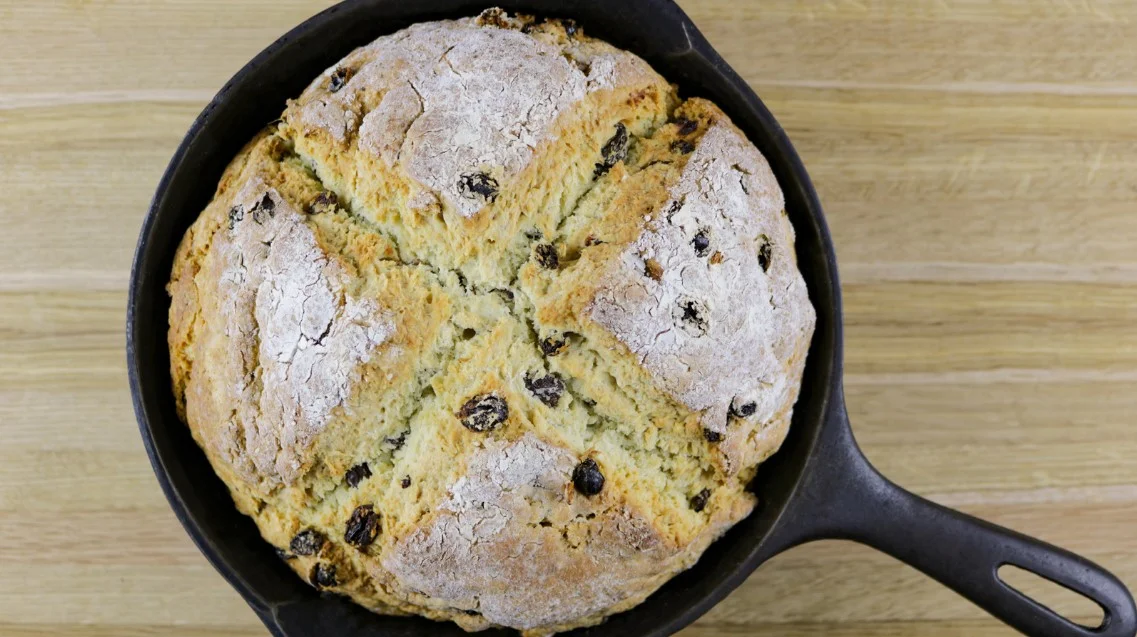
844	497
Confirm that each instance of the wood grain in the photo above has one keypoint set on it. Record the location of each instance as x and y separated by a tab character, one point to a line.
978	164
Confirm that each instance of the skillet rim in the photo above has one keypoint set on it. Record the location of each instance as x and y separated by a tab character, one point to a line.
823	365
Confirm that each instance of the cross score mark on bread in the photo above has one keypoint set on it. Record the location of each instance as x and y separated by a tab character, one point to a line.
498	319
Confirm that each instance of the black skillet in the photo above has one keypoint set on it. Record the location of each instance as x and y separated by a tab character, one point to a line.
818	486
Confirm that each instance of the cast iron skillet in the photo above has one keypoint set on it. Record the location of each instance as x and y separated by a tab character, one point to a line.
818	486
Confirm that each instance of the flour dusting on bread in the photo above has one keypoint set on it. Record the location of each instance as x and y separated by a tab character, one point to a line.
296	338
711	324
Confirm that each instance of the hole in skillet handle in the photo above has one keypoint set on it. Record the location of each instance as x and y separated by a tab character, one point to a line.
1053	596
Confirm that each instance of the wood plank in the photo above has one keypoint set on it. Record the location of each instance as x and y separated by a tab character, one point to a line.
102	164
62	340
98	50
1089	56
982	12
922	327
959	628
119	630
110	594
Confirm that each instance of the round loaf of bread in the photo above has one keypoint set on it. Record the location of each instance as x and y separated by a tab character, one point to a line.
491	326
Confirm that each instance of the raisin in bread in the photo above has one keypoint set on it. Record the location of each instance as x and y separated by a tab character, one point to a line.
491	327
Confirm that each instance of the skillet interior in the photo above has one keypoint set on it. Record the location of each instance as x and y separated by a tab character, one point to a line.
658	31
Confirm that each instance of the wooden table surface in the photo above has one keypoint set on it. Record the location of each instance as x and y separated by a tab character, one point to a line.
978	163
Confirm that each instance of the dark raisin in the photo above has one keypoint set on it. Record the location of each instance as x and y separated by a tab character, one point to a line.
570	27
614	151
357	474
587	479
712	436
547	389
339	78
547	257
765	251
690	312
693	316
397	442
324	202
701	243
264	208
552	345
322	575
307	542
682	146
283	554
699	501
473	185
484	412
236	214
363	527
405	482
744	410
617	147
653	270
686	126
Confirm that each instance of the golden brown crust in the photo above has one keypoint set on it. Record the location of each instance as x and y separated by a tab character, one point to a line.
416	311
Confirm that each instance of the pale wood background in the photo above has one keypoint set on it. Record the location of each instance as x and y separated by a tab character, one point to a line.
978	162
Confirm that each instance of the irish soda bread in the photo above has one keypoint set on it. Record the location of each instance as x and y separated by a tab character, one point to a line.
491	326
